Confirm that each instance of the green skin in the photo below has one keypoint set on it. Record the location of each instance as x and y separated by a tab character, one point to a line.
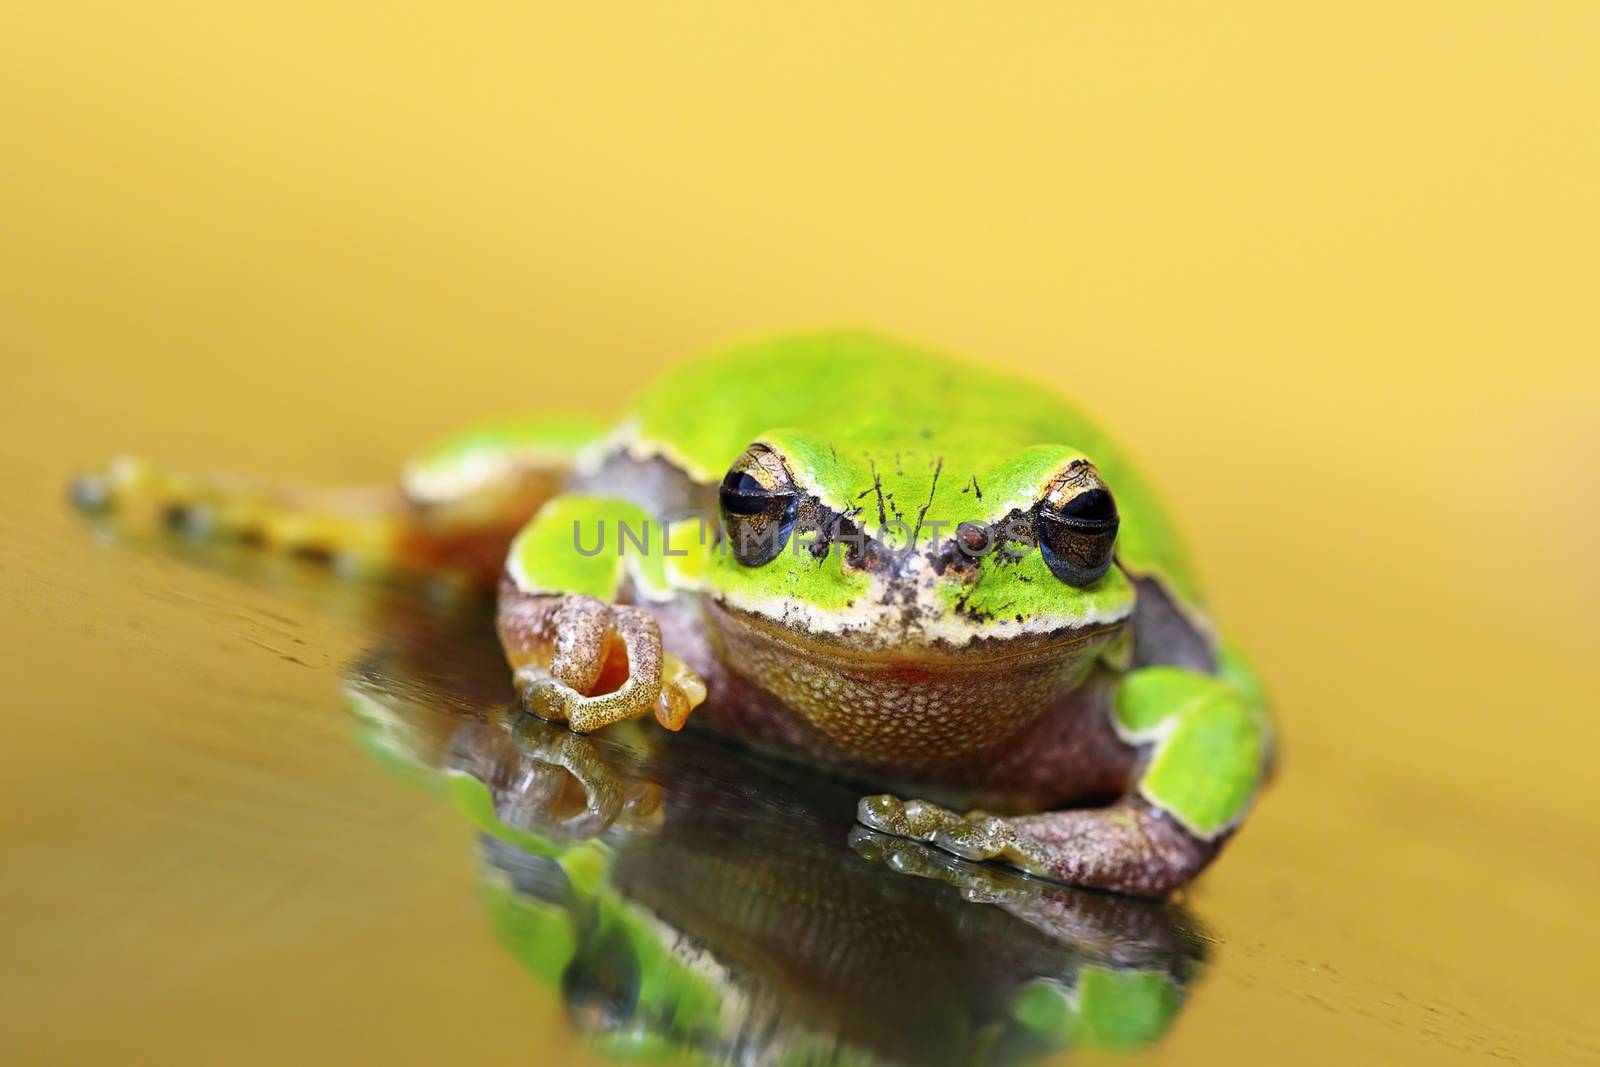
1123	740
910	444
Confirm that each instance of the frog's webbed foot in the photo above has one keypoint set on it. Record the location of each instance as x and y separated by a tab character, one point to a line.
586	663
1129	847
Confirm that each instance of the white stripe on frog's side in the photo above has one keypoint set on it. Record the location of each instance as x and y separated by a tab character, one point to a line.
623	439
457	479
641	449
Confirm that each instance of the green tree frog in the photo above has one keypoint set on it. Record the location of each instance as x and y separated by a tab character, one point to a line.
915	571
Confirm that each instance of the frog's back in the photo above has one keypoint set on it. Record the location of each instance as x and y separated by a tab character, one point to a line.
855	388
865	393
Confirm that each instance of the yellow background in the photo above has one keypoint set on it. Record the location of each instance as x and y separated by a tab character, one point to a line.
1329	269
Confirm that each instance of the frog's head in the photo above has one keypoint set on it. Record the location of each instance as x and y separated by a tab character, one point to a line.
916	601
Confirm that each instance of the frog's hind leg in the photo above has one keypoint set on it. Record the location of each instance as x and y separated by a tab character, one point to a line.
451	518
357	530
1205	745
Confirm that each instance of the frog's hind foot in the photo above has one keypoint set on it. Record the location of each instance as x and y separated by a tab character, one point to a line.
1130	847
368	532
356	531
586	663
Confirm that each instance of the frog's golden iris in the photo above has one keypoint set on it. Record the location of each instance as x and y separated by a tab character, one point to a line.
1077	525
759	504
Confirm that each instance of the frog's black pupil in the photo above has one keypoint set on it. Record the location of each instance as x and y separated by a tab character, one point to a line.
743	495
744	483
1092	507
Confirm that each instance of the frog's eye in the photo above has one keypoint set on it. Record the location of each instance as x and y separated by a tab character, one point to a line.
1077	526
759	504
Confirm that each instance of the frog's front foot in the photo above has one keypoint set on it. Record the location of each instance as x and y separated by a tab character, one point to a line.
1130	847
974	836
586	663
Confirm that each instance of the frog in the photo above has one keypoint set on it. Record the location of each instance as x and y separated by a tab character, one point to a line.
897	566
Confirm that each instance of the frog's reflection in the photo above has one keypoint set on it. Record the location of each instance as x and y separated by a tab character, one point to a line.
686	898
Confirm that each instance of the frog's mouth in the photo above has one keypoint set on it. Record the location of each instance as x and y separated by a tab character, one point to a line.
910	702
892	647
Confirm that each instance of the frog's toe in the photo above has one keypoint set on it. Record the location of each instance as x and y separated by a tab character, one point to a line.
984	837
545	697
554	700
916	819
681	692
980	838
882	812
975	836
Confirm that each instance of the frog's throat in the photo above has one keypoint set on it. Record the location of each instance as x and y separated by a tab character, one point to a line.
901	706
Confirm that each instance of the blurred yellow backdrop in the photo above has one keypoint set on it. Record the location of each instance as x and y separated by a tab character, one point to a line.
1328	269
